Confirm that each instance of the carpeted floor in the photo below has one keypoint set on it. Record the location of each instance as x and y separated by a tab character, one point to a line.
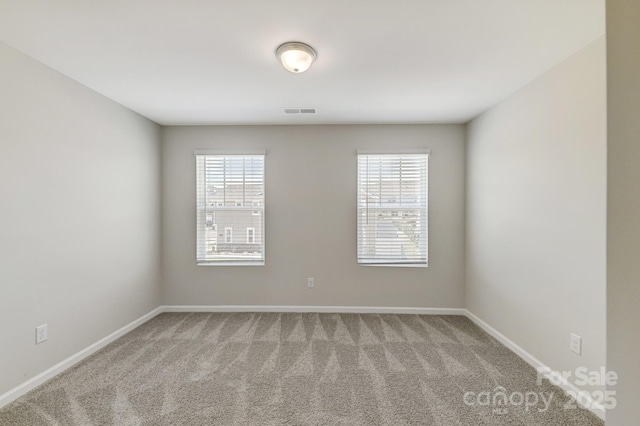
298	369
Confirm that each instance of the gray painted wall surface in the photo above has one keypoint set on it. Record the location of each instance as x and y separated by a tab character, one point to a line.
310	219
80	213
623	213
536	214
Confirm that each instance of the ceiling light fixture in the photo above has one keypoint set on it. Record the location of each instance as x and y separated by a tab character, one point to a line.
296	57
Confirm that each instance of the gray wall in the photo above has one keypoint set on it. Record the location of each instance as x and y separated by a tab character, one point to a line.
623	213
80	216
310	219
536	213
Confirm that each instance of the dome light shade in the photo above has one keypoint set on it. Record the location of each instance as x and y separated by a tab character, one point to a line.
296	57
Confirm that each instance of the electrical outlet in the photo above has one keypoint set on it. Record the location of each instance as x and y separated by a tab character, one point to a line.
310	282
41	334
575	343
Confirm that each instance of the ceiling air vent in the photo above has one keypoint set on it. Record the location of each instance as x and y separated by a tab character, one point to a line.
299	111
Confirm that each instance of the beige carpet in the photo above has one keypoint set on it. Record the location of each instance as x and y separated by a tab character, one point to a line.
297	369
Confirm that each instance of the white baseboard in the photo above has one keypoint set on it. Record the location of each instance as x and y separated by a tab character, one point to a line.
556	377
318	309
36	381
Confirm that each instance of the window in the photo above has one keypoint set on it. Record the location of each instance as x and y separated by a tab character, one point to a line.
392	208
229	192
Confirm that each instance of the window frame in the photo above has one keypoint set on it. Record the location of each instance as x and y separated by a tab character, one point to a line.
362	237
201	210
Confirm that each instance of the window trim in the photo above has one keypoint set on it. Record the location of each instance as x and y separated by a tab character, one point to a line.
398	152
262	208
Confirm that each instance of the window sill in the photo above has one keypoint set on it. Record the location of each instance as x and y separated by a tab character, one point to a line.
397	265
230	264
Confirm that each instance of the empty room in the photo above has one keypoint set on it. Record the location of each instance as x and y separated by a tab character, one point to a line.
332	213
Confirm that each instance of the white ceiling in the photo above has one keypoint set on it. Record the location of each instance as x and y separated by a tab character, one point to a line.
213	61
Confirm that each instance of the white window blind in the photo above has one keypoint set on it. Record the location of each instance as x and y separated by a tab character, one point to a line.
230	206
392	209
